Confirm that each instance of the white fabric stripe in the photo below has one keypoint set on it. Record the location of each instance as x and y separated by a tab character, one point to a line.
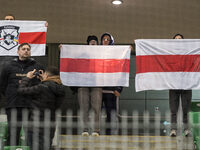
26	26
94	79
36	50
167	46
12	52
95	52
167	80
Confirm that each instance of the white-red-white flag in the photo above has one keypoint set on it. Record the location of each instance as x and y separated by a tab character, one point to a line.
13	33
93	66
167	64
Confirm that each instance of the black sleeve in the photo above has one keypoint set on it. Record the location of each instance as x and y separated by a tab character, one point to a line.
25	89
119	89
3	80
74	89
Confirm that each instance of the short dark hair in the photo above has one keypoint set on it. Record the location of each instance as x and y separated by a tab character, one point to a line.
92	37
52	70
10	15
21	45
178	34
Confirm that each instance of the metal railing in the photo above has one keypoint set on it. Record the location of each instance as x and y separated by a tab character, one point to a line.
127	133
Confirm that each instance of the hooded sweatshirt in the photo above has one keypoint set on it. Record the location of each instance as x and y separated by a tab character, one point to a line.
111	38
116	88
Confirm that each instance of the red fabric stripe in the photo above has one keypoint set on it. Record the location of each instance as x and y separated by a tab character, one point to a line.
94	65
32	37
168	63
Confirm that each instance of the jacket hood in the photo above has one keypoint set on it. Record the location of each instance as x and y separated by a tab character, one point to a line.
54	79
111	37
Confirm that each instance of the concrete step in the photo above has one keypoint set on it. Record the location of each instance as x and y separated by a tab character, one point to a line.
120	142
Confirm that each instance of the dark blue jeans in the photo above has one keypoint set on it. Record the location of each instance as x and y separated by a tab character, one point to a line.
110	104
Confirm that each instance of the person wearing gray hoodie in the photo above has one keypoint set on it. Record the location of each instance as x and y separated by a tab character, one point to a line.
93	96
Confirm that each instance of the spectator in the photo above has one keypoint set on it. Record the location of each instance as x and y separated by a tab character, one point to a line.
93	96
49	95
12	17
10	78
9	17
110	94
174	98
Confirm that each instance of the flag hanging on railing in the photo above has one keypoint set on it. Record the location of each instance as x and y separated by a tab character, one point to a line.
13	33
167	64
92	66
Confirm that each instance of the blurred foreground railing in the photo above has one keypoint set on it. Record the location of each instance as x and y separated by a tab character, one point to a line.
136	132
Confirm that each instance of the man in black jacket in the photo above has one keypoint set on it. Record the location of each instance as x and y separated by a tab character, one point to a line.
10	79
49	94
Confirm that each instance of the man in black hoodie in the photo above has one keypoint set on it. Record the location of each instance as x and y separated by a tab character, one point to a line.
10	79
110	94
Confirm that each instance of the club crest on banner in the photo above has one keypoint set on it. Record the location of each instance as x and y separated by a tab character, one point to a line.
9	36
